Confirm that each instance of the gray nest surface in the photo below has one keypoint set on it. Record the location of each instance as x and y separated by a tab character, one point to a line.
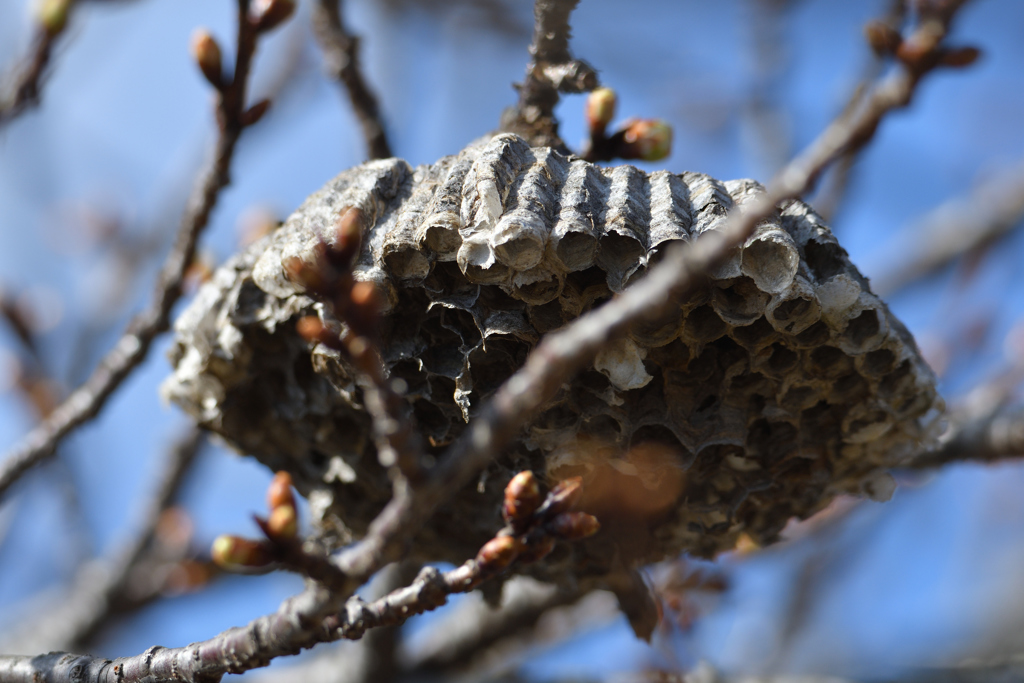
779	383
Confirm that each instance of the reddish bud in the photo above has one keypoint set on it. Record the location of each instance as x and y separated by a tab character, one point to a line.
646	139
600	109
572	526
498	553
53	15
883	39
308	276
206	52
269	14
563	497
255	112
280	490
522	497
537	550
348	237
283	522
959	57
233	552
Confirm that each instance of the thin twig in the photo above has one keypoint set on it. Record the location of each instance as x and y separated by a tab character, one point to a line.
102	591
341	58
958	228
830	196
995	435
551	70
25	85
85	402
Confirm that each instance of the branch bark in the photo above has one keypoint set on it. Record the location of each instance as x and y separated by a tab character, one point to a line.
341	58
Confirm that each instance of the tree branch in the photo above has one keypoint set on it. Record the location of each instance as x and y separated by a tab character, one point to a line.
959	227
551	70
86	401
341	58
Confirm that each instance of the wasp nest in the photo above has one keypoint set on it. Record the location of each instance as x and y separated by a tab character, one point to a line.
779	383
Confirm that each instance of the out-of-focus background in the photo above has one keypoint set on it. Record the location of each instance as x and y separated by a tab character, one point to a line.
93	182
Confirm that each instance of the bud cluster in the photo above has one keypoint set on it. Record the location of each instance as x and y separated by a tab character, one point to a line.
329	277
534	522
921	51
280	528
643	139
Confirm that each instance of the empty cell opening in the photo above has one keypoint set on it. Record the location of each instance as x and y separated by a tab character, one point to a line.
828	361
771	440
792	310
618	253
545	317
520	253
771	263
442	239
849	389
862	328
742	301
781	360
407	264
825	259
657	434
541	291
815	335
604	427
496	273
873	418
703	324
758	333
895	381
576	250
799	397
878	362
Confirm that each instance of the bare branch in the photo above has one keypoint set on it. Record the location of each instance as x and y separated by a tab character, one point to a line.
995	435
958	228
22	92
87	400
103	591
341	58
551	70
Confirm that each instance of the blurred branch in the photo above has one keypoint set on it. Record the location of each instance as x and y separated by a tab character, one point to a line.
25	82
474	626
829	197
103	590
341	58
958	228
86	401
551	70
994	435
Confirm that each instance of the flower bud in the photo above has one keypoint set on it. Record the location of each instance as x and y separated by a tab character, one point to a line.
269	14
498	553
233	552
647	139
537	550
283	522
600	109
280	490
883	39
959	57
53	15
206	52
348	238
255	112
563	497
572	526
522	497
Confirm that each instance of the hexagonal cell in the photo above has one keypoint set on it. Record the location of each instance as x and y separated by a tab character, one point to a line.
795	309
739	302
755	336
